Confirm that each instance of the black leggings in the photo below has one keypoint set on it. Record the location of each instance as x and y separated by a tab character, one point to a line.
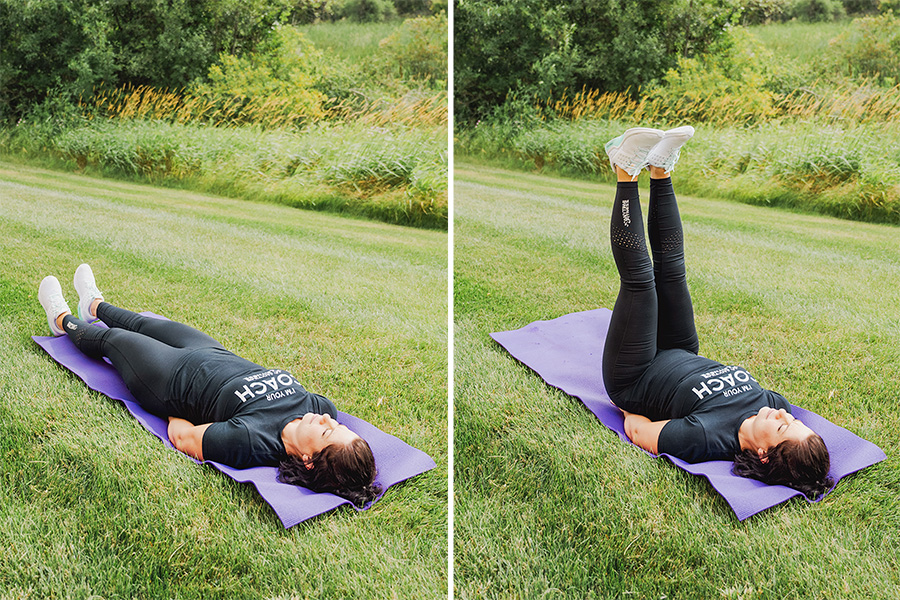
653	311
145	351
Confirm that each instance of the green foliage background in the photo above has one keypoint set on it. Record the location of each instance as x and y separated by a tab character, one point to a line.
800	113
67	47
538	48
345	113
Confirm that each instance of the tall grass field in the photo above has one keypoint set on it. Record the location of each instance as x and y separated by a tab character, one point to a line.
397	176
551	504
352	120
804	42
348	39
796	115
851	172
93	506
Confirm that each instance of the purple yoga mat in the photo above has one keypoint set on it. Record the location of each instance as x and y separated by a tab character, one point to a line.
567	353
396	461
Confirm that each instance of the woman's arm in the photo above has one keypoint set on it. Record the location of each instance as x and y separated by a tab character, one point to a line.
187	437
643	432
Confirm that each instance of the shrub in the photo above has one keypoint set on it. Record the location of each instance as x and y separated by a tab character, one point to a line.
413	7
367	11
725	86
869	48
506	47
70	46
756	12
278	80
305	12
541	47
814	11
417	51
859	7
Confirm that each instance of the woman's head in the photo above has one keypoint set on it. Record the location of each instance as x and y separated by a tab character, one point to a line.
800	464
307	436
769	427
328	457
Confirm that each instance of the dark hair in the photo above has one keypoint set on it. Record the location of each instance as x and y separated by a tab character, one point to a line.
801	465
347	470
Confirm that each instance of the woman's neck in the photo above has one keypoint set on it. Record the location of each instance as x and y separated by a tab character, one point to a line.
287	438
744	437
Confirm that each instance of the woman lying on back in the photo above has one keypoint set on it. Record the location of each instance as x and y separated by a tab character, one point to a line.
220	406
676	402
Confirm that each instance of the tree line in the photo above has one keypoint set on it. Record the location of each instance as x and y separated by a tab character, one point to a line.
509	51
62	50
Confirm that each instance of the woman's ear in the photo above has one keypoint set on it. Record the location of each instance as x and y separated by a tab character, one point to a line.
307	461
763	457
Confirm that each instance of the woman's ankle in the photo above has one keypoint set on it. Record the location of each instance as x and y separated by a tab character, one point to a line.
658	173
59	319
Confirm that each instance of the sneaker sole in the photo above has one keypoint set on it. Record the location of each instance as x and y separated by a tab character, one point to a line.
636	130
684	129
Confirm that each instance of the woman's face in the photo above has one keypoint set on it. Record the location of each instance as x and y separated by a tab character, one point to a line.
770	427
315	432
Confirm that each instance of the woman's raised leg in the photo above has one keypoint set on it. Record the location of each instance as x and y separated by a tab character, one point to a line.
676	312
631	342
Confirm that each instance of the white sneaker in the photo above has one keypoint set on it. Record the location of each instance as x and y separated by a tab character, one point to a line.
87	292
51	298
629	150
665	154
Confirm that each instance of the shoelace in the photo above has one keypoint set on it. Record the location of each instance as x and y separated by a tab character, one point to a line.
57	301
669	165
634	162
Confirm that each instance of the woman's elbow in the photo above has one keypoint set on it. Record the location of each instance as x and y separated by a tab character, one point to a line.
189	445
184	436
642	433
177	439
632	427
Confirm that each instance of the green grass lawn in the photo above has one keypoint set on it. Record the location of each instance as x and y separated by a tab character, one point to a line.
803	42
91	505
350	40
550	504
